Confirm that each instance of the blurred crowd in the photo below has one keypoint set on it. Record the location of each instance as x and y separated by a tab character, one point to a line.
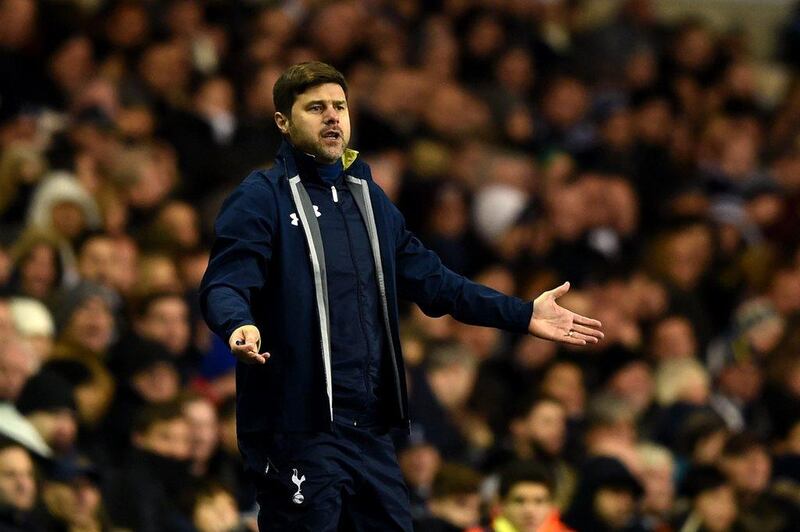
640	160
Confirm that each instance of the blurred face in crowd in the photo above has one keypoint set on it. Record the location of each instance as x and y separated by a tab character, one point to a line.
545	426
7	328
452	383
527	506
319	123
77	503
673	337
634	385
17	480
203	428
419	465
659	488
462	510
614	506
181	222
15	368
59	428
749	472
19	22
167	322
68	219
125	264
92	325
717	508
96	260
39	271
168	438
157	384
564	381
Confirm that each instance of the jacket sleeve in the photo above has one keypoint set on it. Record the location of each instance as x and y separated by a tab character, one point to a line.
424	280
239	258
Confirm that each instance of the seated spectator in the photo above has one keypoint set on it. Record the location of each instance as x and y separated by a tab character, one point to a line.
156	470
525	501
48	402
712	499
455	500
18	491
748	466
607	498
72	498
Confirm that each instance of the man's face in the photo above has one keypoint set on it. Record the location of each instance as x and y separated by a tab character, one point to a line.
547	426
527	506
167	322
17	482
320	122
169	438
614	506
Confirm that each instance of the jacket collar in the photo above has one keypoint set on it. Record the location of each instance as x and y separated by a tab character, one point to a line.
302	164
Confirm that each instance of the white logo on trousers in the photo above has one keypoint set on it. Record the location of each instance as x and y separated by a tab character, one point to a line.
298	497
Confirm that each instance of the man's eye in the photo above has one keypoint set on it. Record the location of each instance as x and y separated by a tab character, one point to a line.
315	108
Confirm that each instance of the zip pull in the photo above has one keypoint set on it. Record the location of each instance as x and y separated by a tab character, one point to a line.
335	195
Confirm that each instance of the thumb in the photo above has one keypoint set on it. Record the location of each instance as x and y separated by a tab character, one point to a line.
560	290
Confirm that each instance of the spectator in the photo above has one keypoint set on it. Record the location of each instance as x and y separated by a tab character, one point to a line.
156	470
525	501
18	491
455	500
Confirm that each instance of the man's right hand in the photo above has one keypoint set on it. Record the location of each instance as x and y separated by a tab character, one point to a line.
245	343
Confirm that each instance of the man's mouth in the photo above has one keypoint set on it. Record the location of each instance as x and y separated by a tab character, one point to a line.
331	135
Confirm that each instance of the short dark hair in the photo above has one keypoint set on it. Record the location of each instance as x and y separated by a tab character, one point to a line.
524	471
300	77
455	479
156	413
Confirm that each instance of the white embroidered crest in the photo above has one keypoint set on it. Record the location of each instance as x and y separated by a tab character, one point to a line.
316	211
298	497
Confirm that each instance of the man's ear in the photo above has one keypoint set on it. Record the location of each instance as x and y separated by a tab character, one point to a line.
282	121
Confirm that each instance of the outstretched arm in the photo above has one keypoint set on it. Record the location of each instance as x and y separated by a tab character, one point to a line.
553	322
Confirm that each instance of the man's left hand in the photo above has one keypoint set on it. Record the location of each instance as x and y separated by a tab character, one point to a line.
553	322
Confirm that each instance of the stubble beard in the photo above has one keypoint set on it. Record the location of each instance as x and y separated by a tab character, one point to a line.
317	147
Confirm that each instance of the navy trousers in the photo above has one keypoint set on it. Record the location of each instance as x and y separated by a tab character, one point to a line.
345	480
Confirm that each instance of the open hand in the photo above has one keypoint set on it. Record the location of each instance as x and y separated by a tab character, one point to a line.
245	343
553	322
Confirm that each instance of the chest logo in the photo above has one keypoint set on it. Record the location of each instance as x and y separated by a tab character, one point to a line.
297	498
296	221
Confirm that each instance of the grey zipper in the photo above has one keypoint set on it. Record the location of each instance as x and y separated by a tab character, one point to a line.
305	211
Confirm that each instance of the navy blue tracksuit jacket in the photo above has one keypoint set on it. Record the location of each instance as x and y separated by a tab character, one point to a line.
271	267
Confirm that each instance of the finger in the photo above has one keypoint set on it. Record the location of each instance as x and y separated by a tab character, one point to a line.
585	337
252	337
588	331
583	320
572	340
560	290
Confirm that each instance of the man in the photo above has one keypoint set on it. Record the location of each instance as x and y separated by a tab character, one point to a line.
312	254
526	501
156	471
455	502
17	487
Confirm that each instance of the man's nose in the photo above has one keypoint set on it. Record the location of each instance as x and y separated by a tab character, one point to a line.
331	115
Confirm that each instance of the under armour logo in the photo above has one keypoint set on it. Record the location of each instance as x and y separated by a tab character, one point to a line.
296	221
297	498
